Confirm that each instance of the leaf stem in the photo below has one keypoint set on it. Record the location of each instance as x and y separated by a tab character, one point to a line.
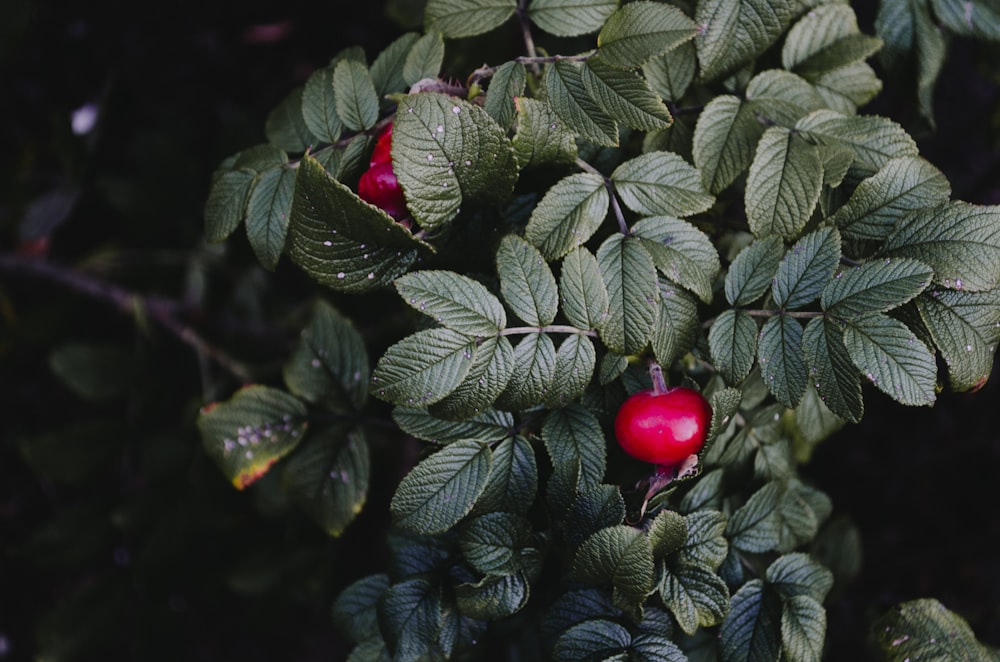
529	41
551	328
610	185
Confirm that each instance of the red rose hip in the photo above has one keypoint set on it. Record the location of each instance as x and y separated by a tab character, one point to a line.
663	428
379	186
383	148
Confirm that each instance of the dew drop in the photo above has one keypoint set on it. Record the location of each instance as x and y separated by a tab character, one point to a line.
440	128
371	275
328	243
968	348
430	157
456	110
959	284
315	363
341	275
468	162
409	110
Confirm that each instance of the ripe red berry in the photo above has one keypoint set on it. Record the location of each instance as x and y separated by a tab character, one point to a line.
379	186
663	428
383	148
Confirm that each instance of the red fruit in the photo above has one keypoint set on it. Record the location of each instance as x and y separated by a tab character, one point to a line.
379	186
663	428
383	148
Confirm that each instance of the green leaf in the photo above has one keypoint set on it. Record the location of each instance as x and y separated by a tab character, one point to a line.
875	140
251	431
328	477
593	507
354	610
493	597
831	370
812	421
735	32
706	544
707	493
960	241
506	85
595	640
725	138
329	365
667	533
488	427
806	268
798	574
629	274
754	527
97	373
319	106
568	214
661	183
73	454
847	88
467	18
965	327
781	97
410	617
892	358
424	59
725	405
783	184
677	323
803	628
878	202
356	101
442	488
526	282
875	287
696	596
454	301
978	18
752	628
752	271
542	138
573	607
491	543
573	434
682	252
576	359
227	203
571	18
513	480
825	39
387	69
619	555
446	152
568	97
626	96
285	126
733	343
639	31
782	363
670	74
488	376
268	212
926	630
424	367
533	375
582	292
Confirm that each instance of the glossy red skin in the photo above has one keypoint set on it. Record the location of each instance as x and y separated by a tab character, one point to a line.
663	429
379	186
383	148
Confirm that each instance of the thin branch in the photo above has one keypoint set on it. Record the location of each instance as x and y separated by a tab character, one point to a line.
610	185
161	310
529	41
799	314
552	328
486	71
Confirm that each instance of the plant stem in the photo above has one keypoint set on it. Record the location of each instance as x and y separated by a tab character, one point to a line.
799	314
551	328
160	309
610	185
656	374
529	41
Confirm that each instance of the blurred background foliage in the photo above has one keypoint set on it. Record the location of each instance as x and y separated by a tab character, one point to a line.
120	540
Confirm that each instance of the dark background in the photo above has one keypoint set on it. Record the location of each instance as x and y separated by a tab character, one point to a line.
180	87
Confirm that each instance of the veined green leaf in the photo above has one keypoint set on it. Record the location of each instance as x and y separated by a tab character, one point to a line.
900	186
453	301
227	203
846	88
753	269
576	359
573	607
784	183
876	286
251	431
533	375
797	574
706	544
285	126
670	74
257	158
754	527
782	363
677	324
354	92
467	18
824	39
568	97
488	376
629	274
695	595
387	69
960	241
354	610
831	370
661	183
682	252
488	427
424	367
977	18
506	85
782	97
319	106
667	533
734	32
926	630
328	477
582	292
965	327
594	640
752	628
625	96
725	138
568	214
733	343
619	555
806	268
574	434
513	480
442	488
268	212
491	543
542	138
526	282
329	365
639	31
424	59
803	628
493	597
571	18
411	613
446	151
593	507
892	358
875	140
